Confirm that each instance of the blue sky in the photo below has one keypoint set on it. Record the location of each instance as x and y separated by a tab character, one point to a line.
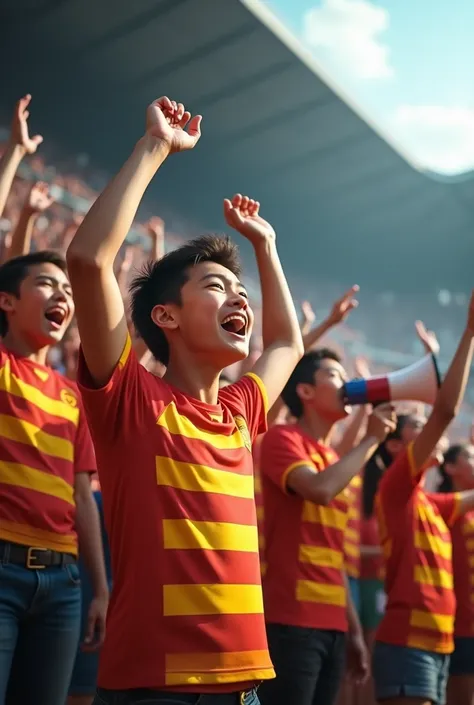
409	64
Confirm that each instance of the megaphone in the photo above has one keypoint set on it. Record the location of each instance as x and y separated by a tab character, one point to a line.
417	382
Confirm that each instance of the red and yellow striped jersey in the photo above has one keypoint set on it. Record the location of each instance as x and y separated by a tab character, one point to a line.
177	483
259	500
304	583
44	441
352	534
417	548
462	534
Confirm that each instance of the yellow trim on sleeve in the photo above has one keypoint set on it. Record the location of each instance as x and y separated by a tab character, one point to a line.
290	468
413	469
263	391
126	352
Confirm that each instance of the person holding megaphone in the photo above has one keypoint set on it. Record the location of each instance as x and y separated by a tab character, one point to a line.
415	636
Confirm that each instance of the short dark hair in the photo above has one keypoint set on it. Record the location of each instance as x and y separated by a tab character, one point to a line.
304	374
15	270
161	282
451	456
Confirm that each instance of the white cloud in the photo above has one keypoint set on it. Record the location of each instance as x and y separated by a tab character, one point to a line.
347	33
440	138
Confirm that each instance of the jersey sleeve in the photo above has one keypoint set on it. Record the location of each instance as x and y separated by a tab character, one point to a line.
248	397
123	402
282	451
448	505
84	455
400	479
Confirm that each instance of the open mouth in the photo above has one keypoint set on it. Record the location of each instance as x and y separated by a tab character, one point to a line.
56	316
235	323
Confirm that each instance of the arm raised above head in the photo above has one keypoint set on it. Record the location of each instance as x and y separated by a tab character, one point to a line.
91	254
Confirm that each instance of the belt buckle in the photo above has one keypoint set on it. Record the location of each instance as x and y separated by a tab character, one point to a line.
32	561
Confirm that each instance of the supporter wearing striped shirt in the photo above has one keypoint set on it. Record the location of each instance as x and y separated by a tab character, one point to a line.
308	608
415	636
352	538
175	454
457	471
46	458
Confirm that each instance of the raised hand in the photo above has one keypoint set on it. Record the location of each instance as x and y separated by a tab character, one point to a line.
428	338
343	306
309	315
39	198
19	127
382	421
155	228
361	367
170	123
242	214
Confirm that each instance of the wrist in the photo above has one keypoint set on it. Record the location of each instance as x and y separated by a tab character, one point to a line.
264	246
153	147
15	149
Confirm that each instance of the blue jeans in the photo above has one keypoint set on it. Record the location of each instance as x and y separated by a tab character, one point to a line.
40	612
401	671
144	696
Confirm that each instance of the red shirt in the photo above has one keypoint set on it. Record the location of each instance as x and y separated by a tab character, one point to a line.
371	567
44	441
462	534
417	547
304	583
352	533
259	500
176	474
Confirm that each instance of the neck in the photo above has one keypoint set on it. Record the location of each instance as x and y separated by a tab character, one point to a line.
316	427
22	348
191	376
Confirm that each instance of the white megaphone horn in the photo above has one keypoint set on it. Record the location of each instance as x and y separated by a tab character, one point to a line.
417	382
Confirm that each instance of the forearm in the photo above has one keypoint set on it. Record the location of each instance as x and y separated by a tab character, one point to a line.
279	320
311	338
451	393
105	227
21	238
9	164
90	543
353	431
352	616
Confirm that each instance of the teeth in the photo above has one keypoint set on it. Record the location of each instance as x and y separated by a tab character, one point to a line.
235	317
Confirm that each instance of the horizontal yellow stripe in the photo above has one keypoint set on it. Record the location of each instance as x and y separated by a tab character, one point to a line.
352	571
431	576
209	535
429	542
353	513
182	600
201	478
424	643
430	620
355	482
309	591
227	661
30	536
428	514
318	555
352	550
247	675
263	390
16	387
328	516
179	425
25	432
32	479
352	535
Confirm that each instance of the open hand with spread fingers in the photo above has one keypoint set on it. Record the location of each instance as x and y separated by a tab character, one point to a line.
171	124
242	214
39	198
343	306
19	134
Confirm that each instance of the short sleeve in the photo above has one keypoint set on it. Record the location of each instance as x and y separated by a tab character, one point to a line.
84	456
448	505
282	451
248	397
123	401
400	479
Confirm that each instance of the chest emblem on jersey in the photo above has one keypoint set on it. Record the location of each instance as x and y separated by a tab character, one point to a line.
244	431
68	397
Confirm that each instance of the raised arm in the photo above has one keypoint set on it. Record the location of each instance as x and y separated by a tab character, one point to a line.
38	200
19	145
450	396
282	342
92	252
338	314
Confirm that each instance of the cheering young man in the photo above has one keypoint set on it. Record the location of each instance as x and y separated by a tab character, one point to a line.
174	454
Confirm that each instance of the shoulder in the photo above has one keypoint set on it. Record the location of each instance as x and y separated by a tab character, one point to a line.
282	434
247	389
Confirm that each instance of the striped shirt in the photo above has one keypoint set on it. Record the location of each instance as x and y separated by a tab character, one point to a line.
304	583
177	484
352	535
462	534
259	501
417	548
44	441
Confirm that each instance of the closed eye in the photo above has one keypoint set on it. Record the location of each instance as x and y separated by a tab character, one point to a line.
244	294
215	285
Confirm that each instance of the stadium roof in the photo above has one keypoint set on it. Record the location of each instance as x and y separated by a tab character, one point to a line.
345	203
